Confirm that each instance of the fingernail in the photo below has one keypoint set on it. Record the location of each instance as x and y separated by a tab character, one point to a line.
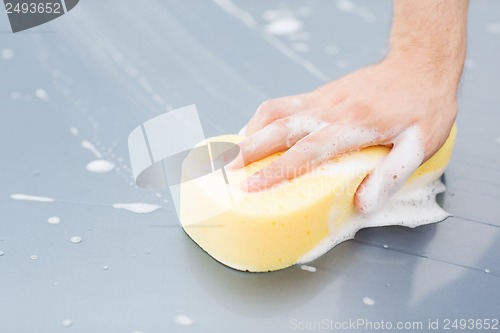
254	183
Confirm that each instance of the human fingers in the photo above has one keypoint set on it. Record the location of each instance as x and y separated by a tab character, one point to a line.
274	109
275	137
392	171
310	151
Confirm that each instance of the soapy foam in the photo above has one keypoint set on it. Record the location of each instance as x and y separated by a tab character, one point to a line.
361	11
54	220
284	26
409	208
394	169
345	5
67	322
271	138
90	147
27	197
74	130
368	301
137	207
76	239
183	320
308	268
100	166
42	94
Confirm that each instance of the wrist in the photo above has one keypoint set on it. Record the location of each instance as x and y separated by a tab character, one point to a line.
439	65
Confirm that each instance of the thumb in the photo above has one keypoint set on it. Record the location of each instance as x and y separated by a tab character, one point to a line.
392	171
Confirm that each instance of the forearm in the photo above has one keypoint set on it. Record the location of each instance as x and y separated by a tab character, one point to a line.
432	35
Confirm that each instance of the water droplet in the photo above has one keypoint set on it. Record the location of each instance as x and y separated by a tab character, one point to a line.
100	166
308	268
385	246
487	270
54	220
136	207
76	239
56	283
105	268
183	320
74	130
33	257
284	26
36	173
42	94
2	253
368	301
67	322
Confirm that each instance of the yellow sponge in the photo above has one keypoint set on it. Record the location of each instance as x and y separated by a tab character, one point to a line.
277	228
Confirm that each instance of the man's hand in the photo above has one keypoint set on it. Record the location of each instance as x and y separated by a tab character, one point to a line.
407	102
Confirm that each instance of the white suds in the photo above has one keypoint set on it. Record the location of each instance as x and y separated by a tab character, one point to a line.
74	130
183	320
7	54
67	322
345	5
90	147
76	239
283	26
100	166
368	301
136	207
308	268
54	220
27	197
411	207
42	94
360	11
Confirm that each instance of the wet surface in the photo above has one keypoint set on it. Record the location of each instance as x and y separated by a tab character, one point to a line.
71	92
